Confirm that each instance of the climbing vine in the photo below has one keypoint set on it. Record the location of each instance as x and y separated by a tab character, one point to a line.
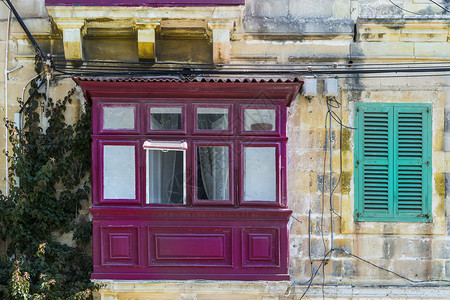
49	181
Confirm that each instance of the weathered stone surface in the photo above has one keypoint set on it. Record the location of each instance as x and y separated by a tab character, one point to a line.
298	26
301	32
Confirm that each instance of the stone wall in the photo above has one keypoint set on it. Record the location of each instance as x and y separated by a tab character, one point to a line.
313	32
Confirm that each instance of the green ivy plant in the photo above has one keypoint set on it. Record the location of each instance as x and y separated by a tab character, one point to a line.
49	181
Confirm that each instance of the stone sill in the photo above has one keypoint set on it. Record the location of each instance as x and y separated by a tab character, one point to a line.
194	289
170	288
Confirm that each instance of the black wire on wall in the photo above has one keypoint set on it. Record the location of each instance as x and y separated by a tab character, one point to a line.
66	68
332	103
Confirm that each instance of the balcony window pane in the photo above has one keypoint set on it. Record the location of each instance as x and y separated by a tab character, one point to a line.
165	118
213	173
119	181
118	117
212	118
259	174
259	119
165	177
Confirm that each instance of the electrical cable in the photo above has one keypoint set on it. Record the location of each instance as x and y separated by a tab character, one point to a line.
244	67
31	96
389	271
97	71
25	29
323	261
275	65
315	274
443	7
333	103
411	12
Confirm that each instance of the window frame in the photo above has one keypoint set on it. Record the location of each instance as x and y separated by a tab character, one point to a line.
231	172
393	162
101	198
103	130
279	184
147	118
235	138
146	171
275	132
231	123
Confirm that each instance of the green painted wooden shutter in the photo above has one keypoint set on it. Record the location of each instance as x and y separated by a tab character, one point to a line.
411	162
372	161
392	162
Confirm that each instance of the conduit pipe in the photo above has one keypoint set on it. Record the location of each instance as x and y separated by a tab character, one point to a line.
6	99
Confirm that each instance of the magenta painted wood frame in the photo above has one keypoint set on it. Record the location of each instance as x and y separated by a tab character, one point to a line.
97	178
147	118
223	240
278	130
180	244
154	3
100	125
231	121
231	169
279	182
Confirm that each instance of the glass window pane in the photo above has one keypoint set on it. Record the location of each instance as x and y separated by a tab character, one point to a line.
165	118
213	173
165	177
118	117
259	119
259	174
209	118
119	180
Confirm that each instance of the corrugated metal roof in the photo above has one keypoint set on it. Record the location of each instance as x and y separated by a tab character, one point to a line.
196	79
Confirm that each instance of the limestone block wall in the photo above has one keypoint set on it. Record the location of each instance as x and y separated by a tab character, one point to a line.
313	32
414	250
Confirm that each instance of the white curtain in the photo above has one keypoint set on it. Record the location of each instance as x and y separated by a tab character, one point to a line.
214	166
163	173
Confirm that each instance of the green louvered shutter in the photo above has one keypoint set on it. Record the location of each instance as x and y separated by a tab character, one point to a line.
374	144
393	162
412	160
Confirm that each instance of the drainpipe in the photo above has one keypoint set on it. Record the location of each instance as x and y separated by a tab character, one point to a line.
6	100
6	97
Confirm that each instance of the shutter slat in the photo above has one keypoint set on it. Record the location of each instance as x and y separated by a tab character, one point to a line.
409	158
393	162
375	141
376	132
376	189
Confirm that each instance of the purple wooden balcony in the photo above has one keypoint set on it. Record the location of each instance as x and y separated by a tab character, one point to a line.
154	3
137	234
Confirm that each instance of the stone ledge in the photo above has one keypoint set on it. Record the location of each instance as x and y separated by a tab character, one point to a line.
260	290
196	289
378	292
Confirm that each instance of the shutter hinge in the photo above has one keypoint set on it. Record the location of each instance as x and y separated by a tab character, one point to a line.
427	163
357	109
428	110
